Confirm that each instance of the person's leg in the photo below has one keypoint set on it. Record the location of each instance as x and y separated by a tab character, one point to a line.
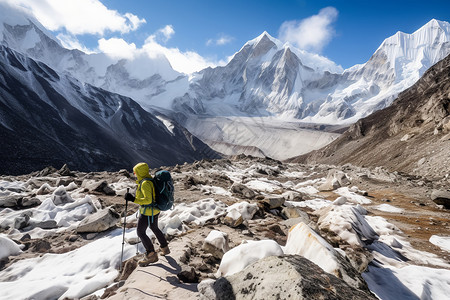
158	233
141	228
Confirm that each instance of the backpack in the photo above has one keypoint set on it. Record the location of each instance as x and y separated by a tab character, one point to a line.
164	190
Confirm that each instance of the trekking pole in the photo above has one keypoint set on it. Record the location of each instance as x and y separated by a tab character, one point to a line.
123	237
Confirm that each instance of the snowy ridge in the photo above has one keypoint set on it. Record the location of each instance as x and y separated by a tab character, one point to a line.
269	78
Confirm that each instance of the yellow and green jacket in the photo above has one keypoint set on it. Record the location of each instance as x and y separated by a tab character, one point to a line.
145	192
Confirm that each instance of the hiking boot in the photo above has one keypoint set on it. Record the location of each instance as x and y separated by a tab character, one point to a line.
148	259
164	250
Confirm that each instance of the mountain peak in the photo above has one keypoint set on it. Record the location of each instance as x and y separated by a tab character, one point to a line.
265	37
442	27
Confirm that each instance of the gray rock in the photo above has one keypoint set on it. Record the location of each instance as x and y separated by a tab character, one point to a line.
65	181
441	197
25	237
243	190
29	202
49	224
23	220
98	186
99	221
274	202
188	275
283	277
65	171
10	201
46	171
60	196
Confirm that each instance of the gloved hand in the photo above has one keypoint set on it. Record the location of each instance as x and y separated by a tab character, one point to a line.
129	197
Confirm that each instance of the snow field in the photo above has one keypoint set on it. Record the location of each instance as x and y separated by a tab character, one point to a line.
94	266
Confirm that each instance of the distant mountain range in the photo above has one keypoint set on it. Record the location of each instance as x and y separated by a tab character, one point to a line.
264	78
412	135
267	77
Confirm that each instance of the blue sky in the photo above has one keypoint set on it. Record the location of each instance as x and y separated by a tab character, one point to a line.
207	32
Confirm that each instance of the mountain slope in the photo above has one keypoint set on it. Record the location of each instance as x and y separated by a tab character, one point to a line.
412	135
49	118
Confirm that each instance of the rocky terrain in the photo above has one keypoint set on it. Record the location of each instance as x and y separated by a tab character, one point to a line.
311	230
411	136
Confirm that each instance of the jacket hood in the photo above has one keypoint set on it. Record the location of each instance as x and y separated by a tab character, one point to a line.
142	171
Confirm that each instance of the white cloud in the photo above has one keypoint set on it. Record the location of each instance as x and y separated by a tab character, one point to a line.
117	48
77	17
222	40
185	62
71	42
81	16
162	35
312	33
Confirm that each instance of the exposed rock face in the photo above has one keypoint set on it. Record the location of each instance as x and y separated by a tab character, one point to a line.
421	112
441	198
283	277
98	222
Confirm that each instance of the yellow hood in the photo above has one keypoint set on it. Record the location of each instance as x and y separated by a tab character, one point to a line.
142	171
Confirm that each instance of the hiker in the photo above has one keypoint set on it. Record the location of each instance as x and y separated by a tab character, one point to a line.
145	196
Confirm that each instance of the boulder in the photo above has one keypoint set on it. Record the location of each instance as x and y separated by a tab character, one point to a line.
29	202
9	201
49	224
65	181
98	186
23	220
243	190
441	197
44	189
65	171
247	210
60	196
188	275
282	277
335	179
216	243
99	221
273	202
233	218
46	171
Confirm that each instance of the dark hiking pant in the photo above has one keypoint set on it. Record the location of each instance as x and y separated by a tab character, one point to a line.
142	225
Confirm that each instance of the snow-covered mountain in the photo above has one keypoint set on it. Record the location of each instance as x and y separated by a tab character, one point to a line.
267	77
142	77
264	78
47	118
